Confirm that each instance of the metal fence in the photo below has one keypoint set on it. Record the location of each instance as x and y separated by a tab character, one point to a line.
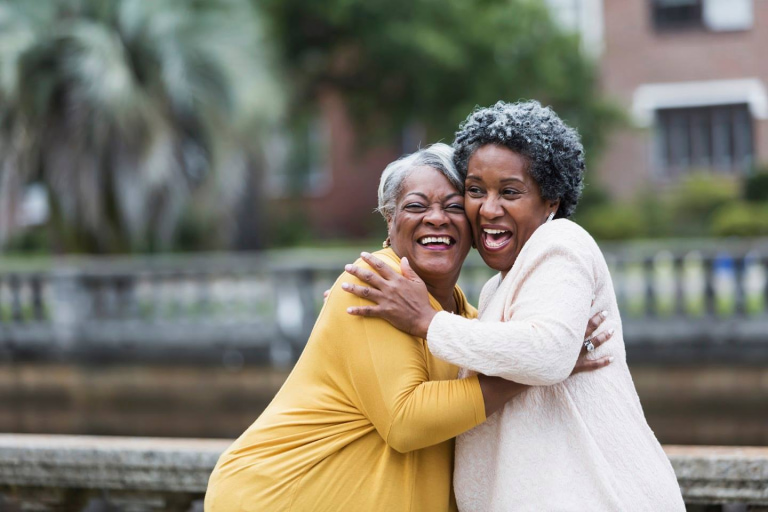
706	299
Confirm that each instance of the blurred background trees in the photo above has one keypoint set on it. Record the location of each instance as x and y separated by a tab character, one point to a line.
134	116
150	126
402	62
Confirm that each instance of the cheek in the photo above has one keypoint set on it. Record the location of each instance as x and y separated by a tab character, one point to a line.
470	210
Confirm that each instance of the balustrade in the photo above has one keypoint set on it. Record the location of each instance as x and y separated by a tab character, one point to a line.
686	296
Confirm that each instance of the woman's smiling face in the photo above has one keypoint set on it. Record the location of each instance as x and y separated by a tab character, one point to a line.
429	226
503	204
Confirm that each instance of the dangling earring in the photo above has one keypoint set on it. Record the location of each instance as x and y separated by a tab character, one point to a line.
386	243
551	216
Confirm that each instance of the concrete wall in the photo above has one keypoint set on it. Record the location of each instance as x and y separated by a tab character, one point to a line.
47	473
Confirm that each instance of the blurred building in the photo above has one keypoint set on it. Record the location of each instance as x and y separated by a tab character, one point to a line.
323	179
692	75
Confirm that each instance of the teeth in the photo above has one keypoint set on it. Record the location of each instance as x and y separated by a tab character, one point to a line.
435	240
495	231
492	245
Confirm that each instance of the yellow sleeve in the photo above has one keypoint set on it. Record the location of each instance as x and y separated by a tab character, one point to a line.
388	375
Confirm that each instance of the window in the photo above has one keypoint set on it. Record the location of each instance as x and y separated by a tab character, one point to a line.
715	137
714	15
677	14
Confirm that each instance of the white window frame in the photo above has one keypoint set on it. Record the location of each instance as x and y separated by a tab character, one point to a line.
649	98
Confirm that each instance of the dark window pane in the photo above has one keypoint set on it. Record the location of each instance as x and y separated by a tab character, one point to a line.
676	14
704	138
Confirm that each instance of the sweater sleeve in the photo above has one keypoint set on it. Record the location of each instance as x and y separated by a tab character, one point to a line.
541	343
388	371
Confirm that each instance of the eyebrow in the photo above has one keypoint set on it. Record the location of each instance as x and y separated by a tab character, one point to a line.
424	196
503	180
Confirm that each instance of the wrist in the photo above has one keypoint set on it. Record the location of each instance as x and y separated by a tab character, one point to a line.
422	327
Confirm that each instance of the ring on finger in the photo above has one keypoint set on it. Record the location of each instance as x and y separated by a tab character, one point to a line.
589	345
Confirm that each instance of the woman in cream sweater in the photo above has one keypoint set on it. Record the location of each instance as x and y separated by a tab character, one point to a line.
567	444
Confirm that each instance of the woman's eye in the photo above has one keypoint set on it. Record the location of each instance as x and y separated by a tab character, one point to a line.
510	192
415	207
455	207
474	191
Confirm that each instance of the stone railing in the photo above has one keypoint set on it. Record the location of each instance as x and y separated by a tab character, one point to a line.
48	473
694	300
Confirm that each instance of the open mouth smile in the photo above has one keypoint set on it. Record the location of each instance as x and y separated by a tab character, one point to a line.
495	239
436	243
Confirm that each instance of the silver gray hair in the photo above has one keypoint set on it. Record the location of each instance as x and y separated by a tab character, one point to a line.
438	156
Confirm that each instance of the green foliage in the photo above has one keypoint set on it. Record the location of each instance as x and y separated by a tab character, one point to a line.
614	222
289	228
657	211
400	61
755	187
127	110
700	205
741	219
697	197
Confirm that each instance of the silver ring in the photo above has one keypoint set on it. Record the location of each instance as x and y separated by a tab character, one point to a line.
588	344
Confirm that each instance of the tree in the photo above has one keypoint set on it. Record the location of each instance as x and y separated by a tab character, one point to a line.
400	61
128	110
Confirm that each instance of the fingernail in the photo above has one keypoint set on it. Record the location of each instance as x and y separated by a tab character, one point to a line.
350	310
345	286
365	254
347	267
610	359
604	314
610	331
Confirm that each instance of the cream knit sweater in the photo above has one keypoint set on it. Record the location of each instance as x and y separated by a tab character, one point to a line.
568	444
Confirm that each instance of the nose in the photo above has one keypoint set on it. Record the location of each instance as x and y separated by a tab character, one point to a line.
490	207
436	216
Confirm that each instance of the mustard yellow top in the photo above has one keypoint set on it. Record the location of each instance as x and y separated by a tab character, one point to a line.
365	421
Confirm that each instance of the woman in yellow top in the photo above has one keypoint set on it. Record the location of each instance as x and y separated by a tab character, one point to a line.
366	419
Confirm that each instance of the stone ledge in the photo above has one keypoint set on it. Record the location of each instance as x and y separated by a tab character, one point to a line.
147	467
108	463
721	474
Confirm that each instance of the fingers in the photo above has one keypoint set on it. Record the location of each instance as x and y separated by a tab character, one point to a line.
590	365
597	340
365	275
602	337
379	266
326	293
363	292
370	311
594	323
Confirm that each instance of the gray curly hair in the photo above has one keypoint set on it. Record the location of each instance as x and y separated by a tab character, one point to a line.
439	156
553	149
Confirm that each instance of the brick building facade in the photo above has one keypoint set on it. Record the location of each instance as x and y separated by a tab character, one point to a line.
693	75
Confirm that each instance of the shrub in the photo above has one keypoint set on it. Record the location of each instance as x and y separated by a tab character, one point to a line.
755	187
696	198
741	219
614	222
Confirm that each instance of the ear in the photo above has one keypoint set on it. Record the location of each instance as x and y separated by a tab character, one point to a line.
555	205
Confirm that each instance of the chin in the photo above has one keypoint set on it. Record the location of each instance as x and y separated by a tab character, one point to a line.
498	262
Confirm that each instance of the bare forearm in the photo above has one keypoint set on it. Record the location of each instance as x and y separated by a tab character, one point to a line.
497	392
